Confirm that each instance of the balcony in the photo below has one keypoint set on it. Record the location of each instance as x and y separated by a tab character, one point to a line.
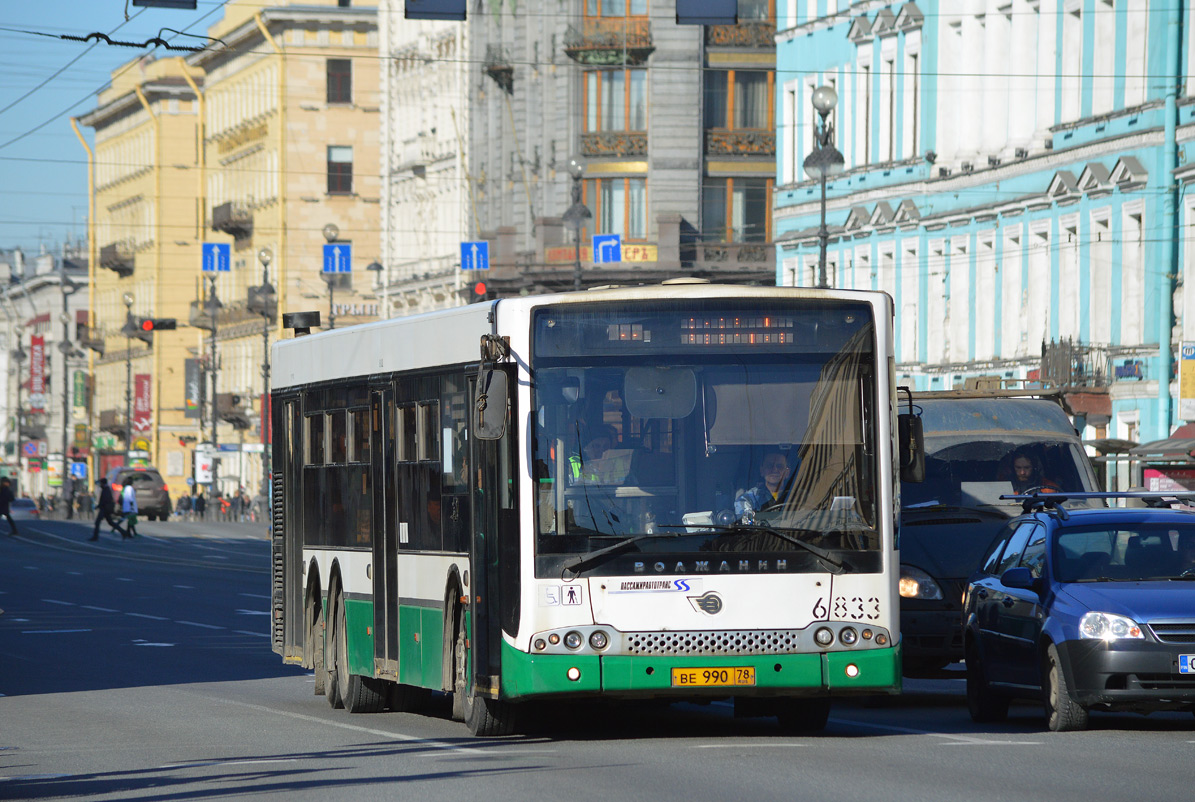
232	218
233	408
609	42
760	35
499	66
112	421
118	257
741	142
614	143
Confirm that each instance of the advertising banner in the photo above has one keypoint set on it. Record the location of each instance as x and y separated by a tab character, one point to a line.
191	376
1186	382
80	390
37	374
142	411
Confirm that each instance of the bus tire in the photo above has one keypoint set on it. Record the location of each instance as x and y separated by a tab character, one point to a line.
315	643
402	698
808	714
332	668
484	717
357	694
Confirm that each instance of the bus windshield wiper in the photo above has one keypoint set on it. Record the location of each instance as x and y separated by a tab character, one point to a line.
817	551
597	556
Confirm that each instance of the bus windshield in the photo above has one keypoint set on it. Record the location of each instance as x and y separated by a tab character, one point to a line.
704	433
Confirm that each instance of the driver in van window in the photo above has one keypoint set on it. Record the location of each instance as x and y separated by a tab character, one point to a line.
1027	474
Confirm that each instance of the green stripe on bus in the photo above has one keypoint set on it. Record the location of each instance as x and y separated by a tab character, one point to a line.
525	675
358	618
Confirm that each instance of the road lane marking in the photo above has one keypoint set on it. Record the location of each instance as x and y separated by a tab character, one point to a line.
201	763
253	612
250	595
56	601
140	642
151	617
960	740
72	573
51	631
396	736
99	609
255	634
123	579
197	624
184	587
747	746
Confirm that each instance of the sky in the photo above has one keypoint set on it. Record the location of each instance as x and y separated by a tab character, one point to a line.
44	81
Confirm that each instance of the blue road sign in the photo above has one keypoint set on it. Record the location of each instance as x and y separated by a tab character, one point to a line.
475	255
79	470
607	248
338	257
217	257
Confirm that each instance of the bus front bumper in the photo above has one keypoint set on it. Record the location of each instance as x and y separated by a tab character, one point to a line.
862	671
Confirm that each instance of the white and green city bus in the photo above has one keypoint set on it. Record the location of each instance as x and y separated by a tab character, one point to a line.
442	523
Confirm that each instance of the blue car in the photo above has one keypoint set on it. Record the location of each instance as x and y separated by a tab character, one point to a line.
1084	609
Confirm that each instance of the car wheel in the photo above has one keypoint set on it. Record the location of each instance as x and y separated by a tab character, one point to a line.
983	702
1063	714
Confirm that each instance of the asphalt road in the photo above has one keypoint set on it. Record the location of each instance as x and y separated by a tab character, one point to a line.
142	670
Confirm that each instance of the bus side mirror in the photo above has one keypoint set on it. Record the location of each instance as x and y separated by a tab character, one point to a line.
490	405
912	448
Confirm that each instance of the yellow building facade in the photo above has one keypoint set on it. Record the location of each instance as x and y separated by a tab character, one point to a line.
145	232
265	146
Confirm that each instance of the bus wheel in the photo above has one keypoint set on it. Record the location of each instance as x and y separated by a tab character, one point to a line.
406	698
331	667
357	694
484	717
804	715
315	643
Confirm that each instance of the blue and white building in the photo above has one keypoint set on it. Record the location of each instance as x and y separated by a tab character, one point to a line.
1016	178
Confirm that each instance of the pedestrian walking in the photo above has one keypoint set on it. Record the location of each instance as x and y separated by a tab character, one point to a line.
106	507
68	496
128	508
200	506
6	499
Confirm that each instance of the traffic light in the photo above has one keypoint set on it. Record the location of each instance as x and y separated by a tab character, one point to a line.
152	324
479	291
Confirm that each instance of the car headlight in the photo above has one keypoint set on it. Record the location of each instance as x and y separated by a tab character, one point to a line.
916	584
1106	626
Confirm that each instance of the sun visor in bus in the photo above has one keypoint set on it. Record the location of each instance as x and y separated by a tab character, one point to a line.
660	392
490	405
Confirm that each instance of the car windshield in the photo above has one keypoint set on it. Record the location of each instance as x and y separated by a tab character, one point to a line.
682	426
1126	552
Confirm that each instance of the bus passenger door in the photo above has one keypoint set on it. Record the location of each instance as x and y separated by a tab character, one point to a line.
385	535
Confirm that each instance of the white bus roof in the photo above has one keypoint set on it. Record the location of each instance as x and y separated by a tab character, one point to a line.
453	336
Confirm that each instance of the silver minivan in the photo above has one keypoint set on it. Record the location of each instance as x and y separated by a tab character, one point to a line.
153	498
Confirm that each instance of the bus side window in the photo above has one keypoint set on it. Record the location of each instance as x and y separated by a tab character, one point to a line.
315	439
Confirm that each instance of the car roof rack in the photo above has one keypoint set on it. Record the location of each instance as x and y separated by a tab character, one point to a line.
1054	500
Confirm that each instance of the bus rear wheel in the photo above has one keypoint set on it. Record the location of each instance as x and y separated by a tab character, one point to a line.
315	646
357	694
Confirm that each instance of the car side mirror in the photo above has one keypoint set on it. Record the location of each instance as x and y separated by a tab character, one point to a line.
911	438
1019	577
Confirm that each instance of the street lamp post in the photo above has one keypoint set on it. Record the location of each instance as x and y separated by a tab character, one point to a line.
331	232
128	377
576	215
19	356
823	161
265	297
213	309
68	288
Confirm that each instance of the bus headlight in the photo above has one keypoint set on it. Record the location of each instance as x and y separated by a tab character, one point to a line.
599	640
916	584
573	640
824	636
848	636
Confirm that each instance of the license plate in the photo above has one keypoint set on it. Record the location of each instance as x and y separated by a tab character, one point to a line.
713	677
1186	664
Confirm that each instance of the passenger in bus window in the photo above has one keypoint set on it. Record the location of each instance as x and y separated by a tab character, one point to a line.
773	470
